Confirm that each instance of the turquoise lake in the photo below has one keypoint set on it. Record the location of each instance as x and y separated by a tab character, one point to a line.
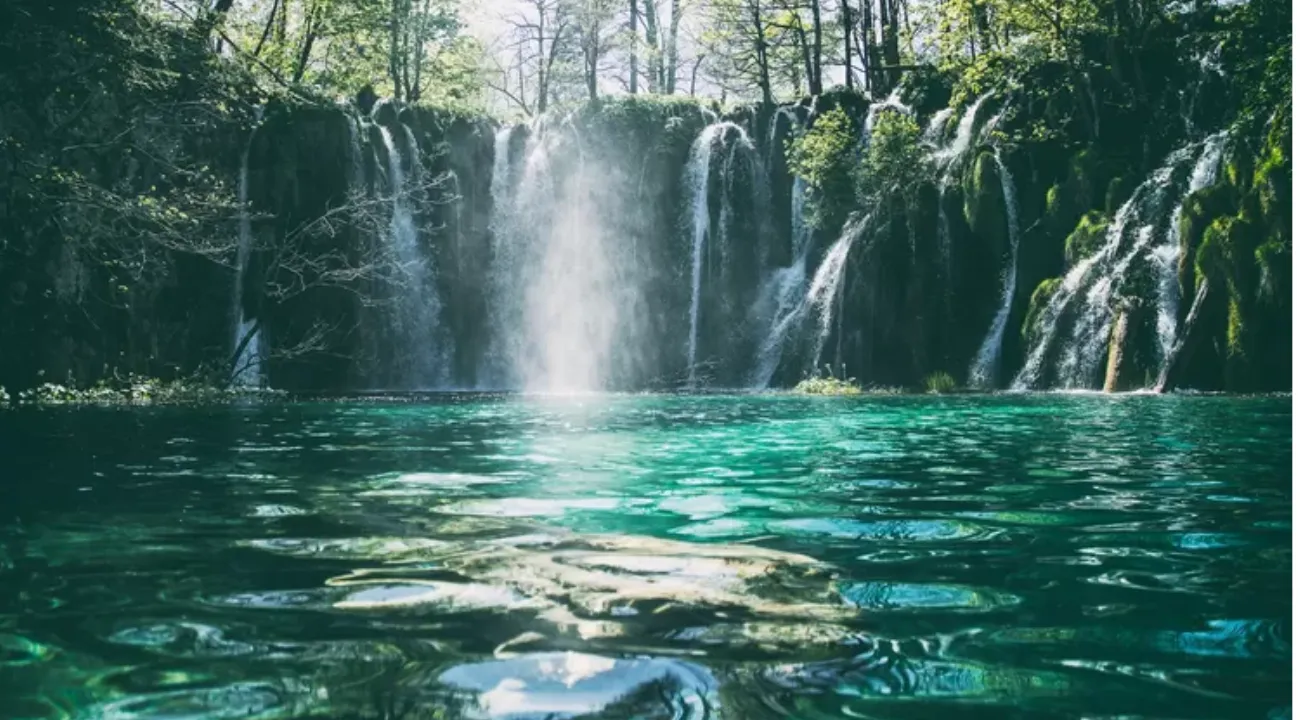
650	556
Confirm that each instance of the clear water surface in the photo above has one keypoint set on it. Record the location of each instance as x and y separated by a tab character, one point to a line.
649	557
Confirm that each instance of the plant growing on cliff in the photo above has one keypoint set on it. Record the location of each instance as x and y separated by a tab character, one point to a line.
895	159
825	157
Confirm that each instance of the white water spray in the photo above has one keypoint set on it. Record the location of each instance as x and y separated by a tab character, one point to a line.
248	370
983	371
423	348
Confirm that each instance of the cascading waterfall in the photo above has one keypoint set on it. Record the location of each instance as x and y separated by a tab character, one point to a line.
1165	257
825	294
935	129
699	171
248	370
782	290
983	371
1089	287
503	324
415	323
822	296
945	158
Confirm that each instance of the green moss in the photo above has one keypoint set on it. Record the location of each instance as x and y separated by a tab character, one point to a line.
1236	330
1037	303
1088	237
1053	205
1083	180
1238	167
984	207
1274	261
1212	255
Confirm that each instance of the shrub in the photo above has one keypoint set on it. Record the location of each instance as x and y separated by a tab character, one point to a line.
827	386
940	383
824	157
895	156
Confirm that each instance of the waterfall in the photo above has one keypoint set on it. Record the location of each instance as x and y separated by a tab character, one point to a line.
1165	257
965	132
248	370
825	293
1090	286
698	172
822	296
781	291
423	349
935	129
495	372
983	371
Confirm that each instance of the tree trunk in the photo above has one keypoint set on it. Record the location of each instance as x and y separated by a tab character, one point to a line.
654	63
632	23
266	31
394	67
765	77
670	86
815	69
981	16
870	58
846	20
889	30
543	77
806	53
310	30
417	54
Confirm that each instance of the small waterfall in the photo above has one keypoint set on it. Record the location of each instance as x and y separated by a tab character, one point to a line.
782	290
248	369
961	142
1090	286
415	323
823	295
1165	257
935	129
699	169
495	372
983	371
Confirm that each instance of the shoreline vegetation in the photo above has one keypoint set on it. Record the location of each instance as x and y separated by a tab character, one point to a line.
136	391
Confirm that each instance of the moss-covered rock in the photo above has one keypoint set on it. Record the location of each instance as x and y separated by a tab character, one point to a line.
1088	237
1037	303
1198	211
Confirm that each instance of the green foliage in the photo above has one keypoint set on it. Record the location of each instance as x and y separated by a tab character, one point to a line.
895	159
1274	261
827	386
1037	303
824	157
940	383
1214	257
1088	237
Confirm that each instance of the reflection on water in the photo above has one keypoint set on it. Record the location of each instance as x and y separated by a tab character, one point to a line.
650	557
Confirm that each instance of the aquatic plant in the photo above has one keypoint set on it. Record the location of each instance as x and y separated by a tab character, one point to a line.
940	383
